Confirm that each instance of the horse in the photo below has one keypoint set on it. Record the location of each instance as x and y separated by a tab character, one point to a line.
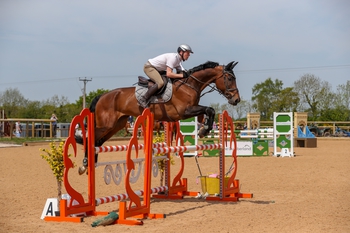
158	126
126	128
113	108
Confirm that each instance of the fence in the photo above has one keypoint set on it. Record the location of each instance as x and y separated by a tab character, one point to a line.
41	128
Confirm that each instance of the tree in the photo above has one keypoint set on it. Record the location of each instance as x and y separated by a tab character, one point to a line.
12	101
336	113
67	112
313	93
90	97
265	94
32	111
239	111
342	101
242	109
287	101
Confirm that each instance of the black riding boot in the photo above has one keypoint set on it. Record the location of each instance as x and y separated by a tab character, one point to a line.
153	89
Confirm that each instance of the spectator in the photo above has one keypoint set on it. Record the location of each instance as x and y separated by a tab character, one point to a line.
131	121
214	126
18	129
54	123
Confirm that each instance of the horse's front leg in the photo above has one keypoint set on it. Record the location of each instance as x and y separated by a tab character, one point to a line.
209	118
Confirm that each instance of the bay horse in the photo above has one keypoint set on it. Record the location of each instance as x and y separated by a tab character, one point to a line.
126	128
157	127
113	108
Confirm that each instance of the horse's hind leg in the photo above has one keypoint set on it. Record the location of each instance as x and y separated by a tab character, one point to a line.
83	168
102	134
209	119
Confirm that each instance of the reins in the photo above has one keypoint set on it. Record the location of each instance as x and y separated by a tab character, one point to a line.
212	86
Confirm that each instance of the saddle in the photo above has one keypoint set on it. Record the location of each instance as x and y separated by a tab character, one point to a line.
147	83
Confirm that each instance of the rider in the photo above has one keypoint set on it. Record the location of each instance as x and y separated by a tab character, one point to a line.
166	63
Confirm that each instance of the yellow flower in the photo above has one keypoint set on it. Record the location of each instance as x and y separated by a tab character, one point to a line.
54	157
161	162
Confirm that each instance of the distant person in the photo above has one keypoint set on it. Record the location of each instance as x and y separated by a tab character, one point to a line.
54	123
245	126
18	129
214	126
131	121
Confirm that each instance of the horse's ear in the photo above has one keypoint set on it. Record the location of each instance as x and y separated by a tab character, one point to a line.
231	65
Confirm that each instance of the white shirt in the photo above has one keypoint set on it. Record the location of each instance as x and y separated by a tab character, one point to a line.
172	60
55	120
18	127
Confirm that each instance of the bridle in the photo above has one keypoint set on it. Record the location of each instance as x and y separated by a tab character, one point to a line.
226	94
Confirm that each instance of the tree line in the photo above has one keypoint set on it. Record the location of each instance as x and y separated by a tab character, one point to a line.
309	94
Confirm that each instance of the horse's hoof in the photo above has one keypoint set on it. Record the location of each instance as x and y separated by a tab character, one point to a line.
82	170
202	132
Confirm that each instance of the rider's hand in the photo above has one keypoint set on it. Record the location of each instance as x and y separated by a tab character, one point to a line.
185	74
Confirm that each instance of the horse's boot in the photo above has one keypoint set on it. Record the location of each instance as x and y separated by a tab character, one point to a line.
153	89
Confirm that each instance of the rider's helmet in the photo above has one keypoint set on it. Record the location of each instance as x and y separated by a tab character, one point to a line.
184	47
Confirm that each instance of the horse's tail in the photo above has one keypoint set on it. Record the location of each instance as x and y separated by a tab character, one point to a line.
94	102
78	139
78	136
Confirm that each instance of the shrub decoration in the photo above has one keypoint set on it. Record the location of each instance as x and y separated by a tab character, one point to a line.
54	157
161	162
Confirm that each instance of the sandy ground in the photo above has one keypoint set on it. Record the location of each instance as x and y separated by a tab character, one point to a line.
307	193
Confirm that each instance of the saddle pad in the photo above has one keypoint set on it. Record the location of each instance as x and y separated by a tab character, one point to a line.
163	98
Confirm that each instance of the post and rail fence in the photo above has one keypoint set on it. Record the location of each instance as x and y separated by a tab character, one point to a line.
30	127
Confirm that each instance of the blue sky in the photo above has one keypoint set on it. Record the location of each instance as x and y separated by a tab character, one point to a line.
45	46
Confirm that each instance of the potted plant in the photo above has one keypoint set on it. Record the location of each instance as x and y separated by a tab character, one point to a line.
54	157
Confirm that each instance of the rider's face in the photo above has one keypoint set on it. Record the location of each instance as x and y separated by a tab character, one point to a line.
186	55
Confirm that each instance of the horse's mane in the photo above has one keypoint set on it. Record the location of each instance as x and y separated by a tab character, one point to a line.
208	64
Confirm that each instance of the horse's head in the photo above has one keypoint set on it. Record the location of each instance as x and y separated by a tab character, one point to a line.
226	83
223	77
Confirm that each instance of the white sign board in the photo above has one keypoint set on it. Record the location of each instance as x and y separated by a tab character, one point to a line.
244	148
50	208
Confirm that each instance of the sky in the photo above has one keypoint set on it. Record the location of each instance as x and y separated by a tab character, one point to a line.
46	47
